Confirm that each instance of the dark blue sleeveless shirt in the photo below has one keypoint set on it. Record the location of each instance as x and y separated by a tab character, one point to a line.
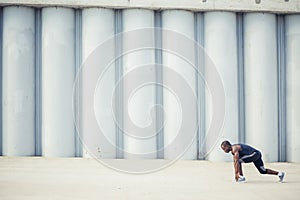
246	150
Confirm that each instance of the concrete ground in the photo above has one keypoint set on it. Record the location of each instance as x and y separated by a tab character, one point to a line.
81	178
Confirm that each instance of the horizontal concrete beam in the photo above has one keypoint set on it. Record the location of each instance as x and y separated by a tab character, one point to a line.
274	6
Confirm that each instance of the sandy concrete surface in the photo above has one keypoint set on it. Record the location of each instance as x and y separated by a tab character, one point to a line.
82	178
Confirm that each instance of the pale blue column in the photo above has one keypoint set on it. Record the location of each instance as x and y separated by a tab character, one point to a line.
97	29
293	87
58	75
181	25
139	99
18	81
261	96
221	47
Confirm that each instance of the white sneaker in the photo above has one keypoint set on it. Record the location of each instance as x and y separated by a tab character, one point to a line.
281	176
241	179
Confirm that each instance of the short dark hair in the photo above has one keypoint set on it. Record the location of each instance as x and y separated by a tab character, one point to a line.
225	143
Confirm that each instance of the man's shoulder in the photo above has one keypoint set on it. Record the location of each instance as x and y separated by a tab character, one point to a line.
236	147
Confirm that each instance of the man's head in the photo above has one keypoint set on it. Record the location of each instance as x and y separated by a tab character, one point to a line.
226	146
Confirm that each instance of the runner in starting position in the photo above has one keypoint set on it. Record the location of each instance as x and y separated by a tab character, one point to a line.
243	153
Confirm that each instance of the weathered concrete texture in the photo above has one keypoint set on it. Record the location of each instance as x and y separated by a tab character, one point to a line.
83	178
282	6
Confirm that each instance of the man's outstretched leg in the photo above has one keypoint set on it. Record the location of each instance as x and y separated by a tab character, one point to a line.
260	166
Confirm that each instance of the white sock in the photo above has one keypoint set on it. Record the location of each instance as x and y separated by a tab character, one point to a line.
279	173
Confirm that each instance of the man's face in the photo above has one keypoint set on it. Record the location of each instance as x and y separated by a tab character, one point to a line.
226	148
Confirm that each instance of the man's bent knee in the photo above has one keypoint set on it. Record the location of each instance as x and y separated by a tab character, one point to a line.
262	170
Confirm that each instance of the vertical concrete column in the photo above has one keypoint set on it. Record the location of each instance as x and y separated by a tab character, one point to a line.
139	99
58	75
18	81
293	86
221	47
181	22
261	112
97	28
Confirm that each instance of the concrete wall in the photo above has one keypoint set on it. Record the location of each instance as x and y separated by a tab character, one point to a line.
91	33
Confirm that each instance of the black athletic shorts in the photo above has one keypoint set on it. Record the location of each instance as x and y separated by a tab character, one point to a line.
255	157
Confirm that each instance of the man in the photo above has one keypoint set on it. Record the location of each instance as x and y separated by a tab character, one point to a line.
243	153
